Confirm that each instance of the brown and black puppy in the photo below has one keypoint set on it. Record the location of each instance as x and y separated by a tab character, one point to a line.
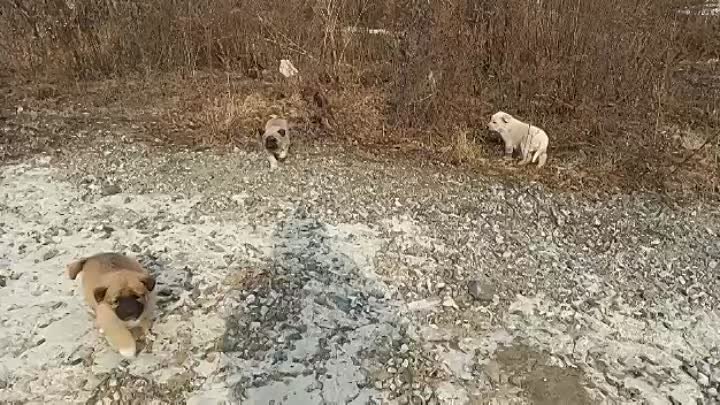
119	292
275	140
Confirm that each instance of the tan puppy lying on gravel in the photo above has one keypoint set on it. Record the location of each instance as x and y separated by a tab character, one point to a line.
516	133
118	292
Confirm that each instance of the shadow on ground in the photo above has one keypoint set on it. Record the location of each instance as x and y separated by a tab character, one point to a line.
309	325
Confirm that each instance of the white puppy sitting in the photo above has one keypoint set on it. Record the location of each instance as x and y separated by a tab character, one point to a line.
516	133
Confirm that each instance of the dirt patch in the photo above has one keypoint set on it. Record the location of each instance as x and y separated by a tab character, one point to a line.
543	384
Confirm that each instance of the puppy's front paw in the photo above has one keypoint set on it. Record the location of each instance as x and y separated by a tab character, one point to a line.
127	349
127	352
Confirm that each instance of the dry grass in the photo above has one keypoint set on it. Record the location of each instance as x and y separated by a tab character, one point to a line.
607	80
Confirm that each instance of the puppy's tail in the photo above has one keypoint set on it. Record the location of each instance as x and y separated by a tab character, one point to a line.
74	268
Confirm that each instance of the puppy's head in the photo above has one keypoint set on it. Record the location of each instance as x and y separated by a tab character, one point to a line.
271	143
127	293
277	142
498	121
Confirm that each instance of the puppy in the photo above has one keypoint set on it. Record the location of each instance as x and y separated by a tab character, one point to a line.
119	292
517	134
275	140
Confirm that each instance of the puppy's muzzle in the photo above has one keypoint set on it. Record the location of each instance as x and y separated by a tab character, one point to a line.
129	308
271	143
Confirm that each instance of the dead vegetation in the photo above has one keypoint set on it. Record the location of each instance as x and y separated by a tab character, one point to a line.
619	86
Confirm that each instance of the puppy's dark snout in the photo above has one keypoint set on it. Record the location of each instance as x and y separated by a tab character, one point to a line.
271	143
129	308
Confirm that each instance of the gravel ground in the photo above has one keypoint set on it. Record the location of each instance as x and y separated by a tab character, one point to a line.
342	279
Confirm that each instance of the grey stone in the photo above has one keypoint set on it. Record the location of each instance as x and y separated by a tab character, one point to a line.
50	254
492	370
481	290
110	189
703	380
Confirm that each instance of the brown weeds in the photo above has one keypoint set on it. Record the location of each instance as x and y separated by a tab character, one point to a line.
606	79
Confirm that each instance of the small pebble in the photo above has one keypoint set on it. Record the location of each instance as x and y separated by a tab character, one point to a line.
50	254
448	302
110	189
481	290
703	380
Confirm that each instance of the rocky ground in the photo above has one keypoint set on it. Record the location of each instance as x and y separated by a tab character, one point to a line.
345	279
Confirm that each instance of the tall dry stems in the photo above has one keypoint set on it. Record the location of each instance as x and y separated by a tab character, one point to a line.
586	69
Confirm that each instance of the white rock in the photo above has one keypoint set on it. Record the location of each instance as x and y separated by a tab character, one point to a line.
422	305
448	302
287	69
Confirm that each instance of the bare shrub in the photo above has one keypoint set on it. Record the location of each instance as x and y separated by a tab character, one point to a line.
602	77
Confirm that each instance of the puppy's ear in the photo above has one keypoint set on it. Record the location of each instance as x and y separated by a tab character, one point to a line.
74	268
281	132
506	118
260	133
149	283
99	294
